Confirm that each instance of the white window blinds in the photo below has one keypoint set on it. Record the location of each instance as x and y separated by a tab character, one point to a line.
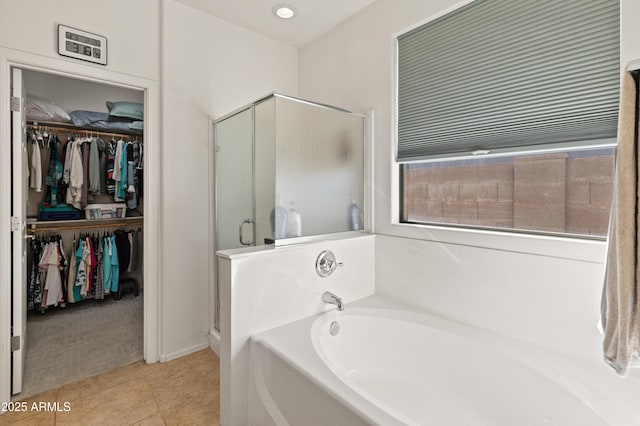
509	76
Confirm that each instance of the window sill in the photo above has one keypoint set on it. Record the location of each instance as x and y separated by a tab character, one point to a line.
570	248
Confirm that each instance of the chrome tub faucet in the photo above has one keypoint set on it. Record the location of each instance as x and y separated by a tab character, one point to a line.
331	298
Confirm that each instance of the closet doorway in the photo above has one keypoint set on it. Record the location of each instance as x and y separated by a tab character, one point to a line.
65	328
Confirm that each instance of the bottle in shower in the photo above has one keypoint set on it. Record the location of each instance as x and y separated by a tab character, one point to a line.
278	221
294	222
354	216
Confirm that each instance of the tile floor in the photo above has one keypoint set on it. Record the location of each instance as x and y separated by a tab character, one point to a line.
185	391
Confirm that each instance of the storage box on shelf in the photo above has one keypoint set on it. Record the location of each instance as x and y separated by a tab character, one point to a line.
61	212
105	211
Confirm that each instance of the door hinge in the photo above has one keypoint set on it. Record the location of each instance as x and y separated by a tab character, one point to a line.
16	104
15	343
16	224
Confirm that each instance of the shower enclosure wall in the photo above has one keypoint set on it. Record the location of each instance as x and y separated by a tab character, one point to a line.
287	170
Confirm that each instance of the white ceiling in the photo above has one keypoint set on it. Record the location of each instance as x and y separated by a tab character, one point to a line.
313	17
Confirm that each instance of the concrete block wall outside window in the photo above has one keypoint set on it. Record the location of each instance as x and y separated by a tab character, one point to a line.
566	192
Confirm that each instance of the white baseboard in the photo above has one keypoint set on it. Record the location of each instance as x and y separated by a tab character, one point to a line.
183	352
214	341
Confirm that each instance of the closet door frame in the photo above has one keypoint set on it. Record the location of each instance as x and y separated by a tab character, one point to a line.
10	58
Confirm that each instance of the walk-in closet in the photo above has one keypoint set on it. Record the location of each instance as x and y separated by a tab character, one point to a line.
83	179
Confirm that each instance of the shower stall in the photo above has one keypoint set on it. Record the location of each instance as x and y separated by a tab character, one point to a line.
286	171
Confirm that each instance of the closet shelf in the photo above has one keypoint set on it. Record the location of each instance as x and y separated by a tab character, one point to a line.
34	225
69	127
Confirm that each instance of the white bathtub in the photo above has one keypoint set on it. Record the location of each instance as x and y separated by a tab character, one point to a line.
391	367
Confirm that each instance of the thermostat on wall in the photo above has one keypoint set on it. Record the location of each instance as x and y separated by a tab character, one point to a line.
82	45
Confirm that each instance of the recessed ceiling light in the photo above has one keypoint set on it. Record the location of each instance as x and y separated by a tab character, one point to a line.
284	11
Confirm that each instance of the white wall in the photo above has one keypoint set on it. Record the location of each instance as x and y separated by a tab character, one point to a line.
209	68
131	28
630	33
544	300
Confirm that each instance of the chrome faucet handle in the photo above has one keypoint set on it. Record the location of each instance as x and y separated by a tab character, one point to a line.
326	263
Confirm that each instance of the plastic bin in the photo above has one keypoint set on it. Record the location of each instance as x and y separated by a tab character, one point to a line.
105	211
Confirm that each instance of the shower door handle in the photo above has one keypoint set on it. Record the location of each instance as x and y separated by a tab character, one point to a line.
245	243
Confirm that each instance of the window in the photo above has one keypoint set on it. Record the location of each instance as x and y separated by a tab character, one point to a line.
563	192
507	116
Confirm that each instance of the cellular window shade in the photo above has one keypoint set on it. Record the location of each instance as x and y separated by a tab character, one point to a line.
508	76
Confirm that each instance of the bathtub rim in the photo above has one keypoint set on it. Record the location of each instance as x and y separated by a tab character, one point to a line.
536	357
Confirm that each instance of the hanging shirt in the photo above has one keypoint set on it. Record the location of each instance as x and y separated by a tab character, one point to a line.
53	283
71	279
121	190
43	264
124	249
32	278
64	263
80	286
102	165
94	263
76	177
66	170
90	265
139	161
115	271
54	174
110	156
84	198
117	169
34	291
94	166
131	191
99	284
106	265
35	172
45	155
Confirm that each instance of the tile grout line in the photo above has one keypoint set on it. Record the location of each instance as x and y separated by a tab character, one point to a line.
155	399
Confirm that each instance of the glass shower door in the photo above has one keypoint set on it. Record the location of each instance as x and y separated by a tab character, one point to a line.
235	211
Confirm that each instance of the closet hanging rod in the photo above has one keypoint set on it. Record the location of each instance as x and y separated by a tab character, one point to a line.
36	227
70	128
